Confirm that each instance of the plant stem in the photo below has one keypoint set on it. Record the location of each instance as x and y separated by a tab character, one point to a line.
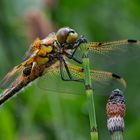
90	98
117	135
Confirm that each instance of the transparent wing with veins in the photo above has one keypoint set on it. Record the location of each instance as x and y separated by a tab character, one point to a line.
14	73
52	82
105	55
121	45
33	49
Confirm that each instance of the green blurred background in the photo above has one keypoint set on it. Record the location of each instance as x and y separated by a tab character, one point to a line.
35	114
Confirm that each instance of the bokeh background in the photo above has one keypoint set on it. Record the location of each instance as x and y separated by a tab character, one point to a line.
35	114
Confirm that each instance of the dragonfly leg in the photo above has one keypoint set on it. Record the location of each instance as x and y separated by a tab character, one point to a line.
81	40
76	46
73	57
61	69
62	61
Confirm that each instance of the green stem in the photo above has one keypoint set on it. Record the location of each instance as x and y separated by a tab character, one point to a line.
90	98
117	135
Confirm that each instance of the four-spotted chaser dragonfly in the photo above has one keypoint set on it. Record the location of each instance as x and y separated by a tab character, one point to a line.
51	58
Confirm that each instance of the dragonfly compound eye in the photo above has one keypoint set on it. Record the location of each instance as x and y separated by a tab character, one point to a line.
66	35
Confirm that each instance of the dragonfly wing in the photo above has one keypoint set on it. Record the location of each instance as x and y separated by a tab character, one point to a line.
103	82
34	47
121	45
11	76
49	40
28	53
51	81
108	54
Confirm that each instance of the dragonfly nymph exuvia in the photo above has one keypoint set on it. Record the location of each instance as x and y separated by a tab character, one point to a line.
53	56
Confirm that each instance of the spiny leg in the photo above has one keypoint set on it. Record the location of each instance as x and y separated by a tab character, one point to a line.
77	44
62	61
62	71
73	58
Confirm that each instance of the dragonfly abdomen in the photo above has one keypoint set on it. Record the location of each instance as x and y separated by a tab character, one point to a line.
12	91
26	77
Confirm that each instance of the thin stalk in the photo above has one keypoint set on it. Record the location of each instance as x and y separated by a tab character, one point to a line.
117	135
90	98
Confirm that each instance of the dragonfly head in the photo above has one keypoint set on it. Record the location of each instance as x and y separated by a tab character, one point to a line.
66	35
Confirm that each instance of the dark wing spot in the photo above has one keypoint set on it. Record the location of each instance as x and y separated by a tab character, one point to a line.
132	41
100	44
116	76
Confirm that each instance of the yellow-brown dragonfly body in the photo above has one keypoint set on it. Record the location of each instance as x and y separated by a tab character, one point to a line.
41	55
50	55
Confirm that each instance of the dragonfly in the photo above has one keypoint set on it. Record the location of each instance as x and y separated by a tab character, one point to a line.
51	58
